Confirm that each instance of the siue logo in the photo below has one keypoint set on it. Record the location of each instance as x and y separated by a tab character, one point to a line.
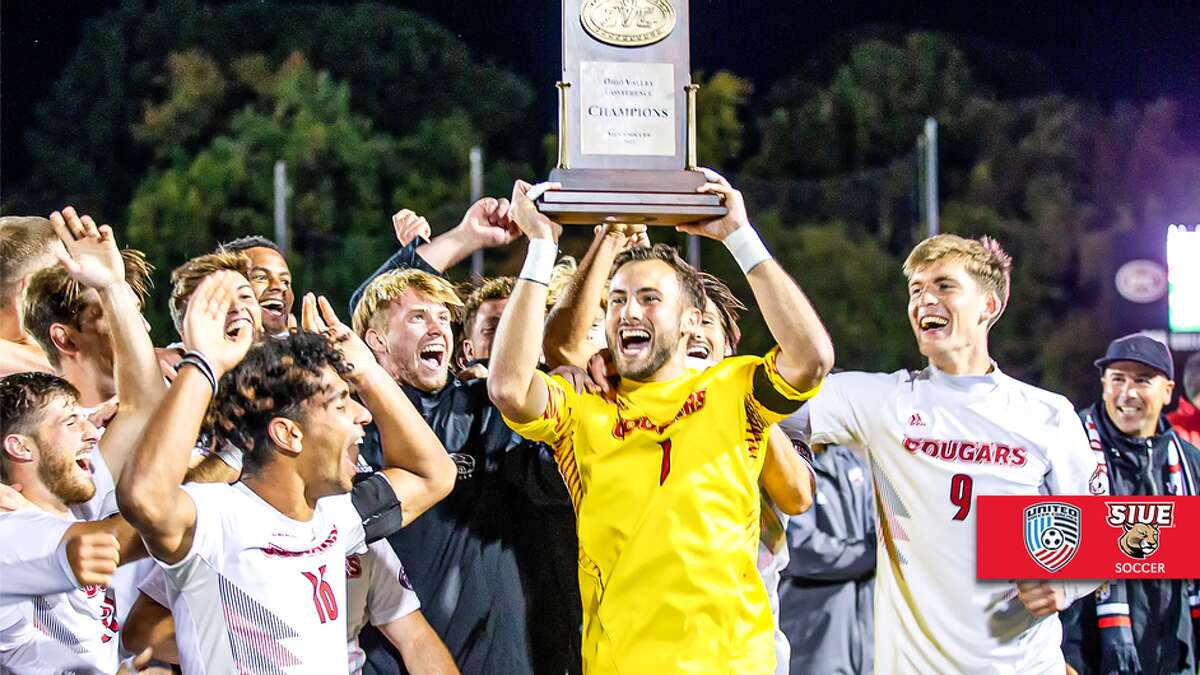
1052	534
1140	523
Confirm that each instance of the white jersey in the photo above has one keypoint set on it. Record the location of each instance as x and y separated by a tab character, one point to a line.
773	558
936	442
24	650
83	620
259	592
377	590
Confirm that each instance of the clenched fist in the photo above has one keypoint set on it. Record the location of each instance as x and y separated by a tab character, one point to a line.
93	557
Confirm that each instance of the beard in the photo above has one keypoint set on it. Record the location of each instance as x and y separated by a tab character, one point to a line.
660	352
60	475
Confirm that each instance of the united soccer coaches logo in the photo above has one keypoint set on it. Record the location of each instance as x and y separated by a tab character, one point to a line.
1052	534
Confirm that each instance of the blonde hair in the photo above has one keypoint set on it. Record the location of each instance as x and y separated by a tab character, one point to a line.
560	279
390	285
23	241
187	277
52	296
984	259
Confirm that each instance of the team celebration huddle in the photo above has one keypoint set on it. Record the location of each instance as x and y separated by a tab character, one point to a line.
573	470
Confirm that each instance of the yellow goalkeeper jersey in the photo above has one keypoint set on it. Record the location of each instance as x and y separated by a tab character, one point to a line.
665	487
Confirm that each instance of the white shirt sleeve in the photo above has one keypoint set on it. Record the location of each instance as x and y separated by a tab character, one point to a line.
154	586
836	413
390	595
1072	464
343	514
25	649
34	561
207	539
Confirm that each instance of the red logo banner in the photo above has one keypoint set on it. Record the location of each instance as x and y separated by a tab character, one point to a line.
1083	537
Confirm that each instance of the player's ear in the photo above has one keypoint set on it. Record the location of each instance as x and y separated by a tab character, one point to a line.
993	308
468	353
286	435
375	341
62	340
17	448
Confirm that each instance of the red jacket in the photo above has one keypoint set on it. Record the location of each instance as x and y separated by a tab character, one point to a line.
1186	421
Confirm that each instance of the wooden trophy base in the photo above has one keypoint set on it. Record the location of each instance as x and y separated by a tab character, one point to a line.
595	196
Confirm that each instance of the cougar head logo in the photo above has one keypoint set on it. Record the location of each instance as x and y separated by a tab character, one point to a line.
1139	540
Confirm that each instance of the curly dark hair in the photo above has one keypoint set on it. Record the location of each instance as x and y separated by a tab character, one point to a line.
689	279
274	380
22	397
242	244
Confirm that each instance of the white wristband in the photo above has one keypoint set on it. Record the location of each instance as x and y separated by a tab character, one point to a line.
539	261
747	248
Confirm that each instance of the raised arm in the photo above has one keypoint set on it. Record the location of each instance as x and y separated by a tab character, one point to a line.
566	340
92	259
513	384
150	493
415	462
484	225
805	351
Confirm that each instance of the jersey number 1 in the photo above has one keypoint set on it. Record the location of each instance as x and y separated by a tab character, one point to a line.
960	494
323	597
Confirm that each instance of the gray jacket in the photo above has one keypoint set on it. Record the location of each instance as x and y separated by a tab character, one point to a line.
827	589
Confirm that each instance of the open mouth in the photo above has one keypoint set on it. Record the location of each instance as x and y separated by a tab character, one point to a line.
699	350
234	328
1129	410
633	341
274	306
432	355
932	323
84	462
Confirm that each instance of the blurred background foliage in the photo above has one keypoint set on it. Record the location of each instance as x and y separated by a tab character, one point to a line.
170	116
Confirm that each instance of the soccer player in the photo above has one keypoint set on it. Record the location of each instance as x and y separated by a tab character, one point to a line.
27	245
936	439
68	321
481	314
496	583
257	569
664	479
271	278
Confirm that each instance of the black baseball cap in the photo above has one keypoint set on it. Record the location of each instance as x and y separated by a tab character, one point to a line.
1141	349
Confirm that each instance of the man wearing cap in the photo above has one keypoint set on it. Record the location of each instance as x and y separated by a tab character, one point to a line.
1186	417
1142	626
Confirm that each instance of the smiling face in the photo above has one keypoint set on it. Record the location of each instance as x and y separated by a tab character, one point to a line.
244	313
61	449
333	426
949	311
708	341
272	281
1134	396
414	345
648	323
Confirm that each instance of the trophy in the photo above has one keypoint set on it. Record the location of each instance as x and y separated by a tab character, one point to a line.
627	118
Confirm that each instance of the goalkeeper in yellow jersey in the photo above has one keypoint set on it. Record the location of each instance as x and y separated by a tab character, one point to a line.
665	479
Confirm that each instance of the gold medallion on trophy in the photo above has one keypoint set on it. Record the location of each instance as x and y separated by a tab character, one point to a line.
628	23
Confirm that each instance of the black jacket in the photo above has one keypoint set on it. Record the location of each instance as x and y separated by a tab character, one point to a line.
1158	608
494	563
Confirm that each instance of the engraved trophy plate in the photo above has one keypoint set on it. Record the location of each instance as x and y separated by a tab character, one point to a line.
627	108
628	23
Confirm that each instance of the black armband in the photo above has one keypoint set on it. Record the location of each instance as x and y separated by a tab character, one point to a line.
770	397
377	505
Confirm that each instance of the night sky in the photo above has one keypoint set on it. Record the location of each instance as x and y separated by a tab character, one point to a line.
1102	52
